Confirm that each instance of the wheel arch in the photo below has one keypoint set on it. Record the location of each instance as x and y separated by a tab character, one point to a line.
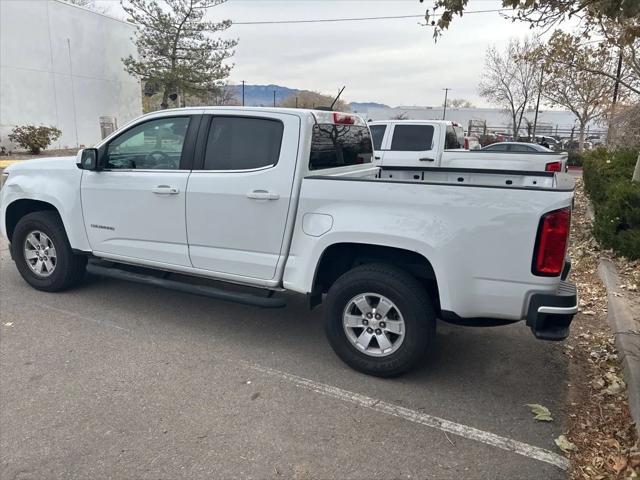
339	258
19	208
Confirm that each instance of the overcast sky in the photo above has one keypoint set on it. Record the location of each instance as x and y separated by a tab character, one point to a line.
394	61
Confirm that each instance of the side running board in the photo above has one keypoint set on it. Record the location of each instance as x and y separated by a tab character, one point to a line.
202	290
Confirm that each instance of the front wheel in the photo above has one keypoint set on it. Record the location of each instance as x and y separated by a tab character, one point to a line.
379	320
43	255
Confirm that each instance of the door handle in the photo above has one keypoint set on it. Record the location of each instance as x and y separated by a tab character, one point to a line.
262	195
426	159
165	190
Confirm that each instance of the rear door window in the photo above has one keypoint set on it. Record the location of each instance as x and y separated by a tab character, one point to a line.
339	146
412	138
377	135
451	140
243	143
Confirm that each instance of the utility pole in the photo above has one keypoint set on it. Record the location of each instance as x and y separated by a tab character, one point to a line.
243	93
535	118
296	101
446	94
274	98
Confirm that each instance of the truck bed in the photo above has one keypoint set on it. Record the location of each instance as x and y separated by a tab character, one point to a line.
476	227
478	177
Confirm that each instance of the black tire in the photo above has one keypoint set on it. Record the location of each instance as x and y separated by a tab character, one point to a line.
406	293
69	268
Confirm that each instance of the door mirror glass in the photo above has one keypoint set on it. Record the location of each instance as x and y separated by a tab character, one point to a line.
88	159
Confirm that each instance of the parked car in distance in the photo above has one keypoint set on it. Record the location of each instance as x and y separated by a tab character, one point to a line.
516	147
435	143
281	200
553	144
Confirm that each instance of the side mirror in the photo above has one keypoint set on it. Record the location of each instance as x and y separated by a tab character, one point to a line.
87	159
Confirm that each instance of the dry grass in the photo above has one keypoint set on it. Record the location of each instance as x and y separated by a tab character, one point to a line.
600	425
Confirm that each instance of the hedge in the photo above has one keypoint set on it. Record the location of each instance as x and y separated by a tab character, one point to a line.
574	159
616	200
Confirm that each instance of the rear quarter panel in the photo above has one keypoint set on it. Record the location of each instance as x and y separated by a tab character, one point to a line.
480	241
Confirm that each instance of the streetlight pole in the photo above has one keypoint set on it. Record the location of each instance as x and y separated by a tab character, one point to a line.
243	93
446	93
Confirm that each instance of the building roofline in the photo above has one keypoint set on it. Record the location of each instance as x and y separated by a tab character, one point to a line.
110	17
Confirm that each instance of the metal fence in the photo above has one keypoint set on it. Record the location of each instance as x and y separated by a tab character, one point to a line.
571	132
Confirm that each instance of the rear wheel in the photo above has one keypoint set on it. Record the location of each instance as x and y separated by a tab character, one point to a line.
43	255
379	320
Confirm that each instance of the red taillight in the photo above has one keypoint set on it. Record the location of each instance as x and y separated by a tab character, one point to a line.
343	119
553	167
551	243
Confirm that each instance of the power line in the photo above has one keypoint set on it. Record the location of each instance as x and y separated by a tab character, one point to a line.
359	19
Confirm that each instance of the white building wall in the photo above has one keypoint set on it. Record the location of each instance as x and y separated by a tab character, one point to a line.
60	65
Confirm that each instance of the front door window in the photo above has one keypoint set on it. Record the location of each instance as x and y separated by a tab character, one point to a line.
153	145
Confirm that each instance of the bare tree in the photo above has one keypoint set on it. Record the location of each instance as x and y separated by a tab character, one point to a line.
510	79
625	126
400	116
178	54
223	95
572	52
459	103
587	95
309	99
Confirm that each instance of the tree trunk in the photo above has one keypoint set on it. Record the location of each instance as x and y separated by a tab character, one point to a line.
165	99
636	171
581	138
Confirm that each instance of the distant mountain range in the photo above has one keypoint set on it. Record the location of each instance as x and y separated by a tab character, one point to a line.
262	96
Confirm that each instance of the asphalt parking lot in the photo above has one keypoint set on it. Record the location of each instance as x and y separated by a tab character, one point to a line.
119	380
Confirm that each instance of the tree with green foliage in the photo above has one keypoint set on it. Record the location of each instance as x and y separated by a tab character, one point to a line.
178	52
34	138
595	16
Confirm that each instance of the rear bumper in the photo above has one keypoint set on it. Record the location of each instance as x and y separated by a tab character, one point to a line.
550	314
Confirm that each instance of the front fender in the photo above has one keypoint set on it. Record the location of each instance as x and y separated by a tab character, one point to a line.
56	185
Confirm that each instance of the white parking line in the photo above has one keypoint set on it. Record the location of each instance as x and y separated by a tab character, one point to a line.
414	416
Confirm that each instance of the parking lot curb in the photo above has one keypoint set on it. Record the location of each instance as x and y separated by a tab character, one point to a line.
626	333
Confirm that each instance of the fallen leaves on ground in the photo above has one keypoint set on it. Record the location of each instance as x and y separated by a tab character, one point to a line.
564	444
540	412
600	427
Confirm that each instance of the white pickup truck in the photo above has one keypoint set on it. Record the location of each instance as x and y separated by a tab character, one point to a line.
287	199
436	143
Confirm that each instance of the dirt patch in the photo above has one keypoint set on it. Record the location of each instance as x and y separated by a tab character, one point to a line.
64	152
600	425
